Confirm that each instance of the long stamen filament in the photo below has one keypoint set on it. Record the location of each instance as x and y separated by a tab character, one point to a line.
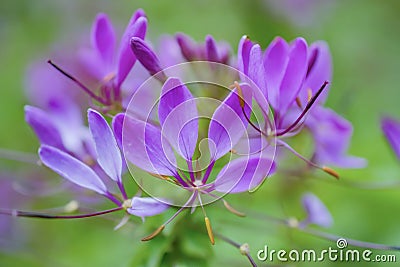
31	214
306	109
207	222
326	169
77	82
161	228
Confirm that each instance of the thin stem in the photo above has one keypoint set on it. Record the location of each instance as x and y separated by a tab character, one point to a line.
238	246
327	236
30	214
19	156
81	85
306	109
353	242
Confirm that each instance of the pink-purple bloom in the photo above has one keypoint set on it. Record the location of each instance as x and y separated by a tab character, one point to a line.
151	148
294	80
109	159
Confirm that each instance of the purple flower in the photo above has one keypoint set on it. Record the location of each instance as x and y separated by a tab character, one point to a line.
151	148
108	67
209	51
391	130
109	159
316	211
62	126
292	79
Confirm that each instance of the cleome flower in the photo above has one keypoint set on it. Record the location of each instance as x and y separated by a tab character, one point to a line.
151	147
109	159
293	81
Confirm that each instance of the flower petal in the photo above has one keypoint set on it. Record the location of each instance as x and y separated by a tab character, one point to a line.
108	154
244	174
103	38
332	135
146	206
319	70
71	169
228	122
275	62
44	127
317	213
294	75
211	49
391	129
126	58
144	147
256	69
245	46
145	55
178	117
187	46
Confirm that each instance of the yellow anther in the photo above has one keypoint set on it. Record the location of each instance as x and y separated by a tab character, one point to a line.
154	234
331	172
209	230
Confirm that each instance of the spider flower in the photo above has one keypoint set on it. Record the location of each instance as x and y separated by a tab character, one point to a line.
151	148
109	67
293	79
110	161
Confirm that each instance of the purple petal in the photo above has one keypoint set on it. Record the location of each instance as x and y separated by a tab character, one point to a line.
332	135
144	147
294	76
229	123
146	206
117	124
319	70
44	127
244	174
145	55
245	46
256	69
317	213
71	169
275	62
211	49
391	129
187	46
103	38
108	154
126	58
178	117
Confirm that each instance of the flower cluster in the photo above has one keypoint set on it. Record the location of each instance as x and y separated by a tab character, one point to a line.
174	128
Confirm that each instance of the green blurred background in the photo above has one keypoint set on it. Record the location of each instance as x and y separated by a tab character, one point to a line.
364	37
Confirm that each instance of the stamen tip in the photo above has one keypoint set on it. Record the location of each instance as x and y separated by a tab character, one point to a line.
154	234
209	230
240	93
331	172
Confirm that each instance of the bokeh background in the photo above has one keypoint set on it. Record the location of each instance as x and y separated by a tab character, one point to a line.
364	37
